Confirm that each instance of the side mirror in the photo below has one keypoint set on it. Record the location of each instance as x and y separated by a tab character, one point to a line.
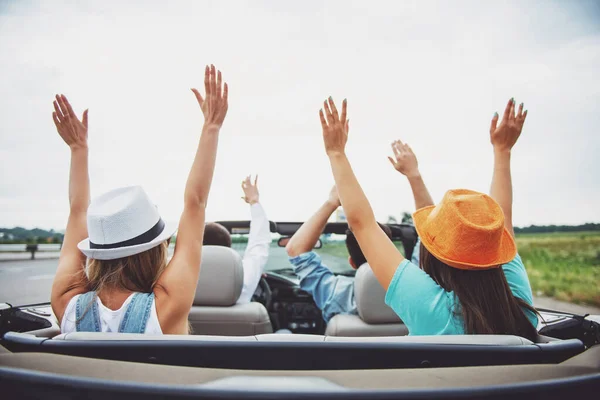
283	241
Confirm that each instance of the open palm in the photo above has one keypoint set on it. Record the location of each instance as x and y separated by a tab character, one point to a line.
214	104
505	135
251	195
73	131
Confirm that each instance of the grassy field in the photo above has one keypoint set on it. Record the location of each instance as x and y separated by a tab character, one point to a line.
565	266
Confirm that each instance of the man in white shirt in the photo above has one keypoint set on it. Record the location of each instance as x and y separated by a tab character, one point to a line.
259	240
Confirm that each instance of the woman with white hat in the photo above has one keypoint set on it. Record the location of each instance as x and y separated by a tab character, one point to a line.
127	285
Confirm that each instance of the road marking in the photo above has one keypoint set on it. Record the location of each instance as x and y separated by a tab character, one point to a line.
39	277
13	270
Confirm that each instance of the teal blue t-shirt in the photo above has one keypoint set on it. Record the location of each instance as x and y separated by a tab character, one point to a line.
427	309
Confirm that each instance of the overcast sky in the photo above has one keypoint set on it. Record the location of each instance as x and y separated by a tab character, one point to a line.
429	73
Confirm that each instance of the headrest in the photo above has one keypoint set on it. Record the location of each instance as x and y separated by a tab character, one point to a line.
221	277
370	298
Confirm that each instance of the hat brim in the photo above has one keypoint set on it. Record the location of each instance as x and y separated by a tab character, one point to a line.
505	253
120	252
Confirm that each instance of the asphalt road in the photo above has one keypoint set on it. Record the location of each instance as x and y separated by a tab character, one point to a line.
25	282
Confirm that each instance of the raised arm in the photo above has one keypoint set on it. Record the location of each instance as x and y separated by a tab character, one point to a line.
380	252
503	138
305	238
176	286
406	163
70	278
259	240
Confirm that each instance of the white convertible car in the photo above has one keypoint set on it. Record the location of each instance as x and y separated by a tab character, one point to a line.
234	353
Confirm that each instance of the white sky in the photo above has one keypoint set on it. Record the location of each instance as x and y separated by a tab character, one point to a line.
429	73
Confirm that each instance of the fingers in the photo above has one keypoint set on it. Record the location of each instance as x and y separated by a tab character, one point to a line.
344	112
226	94
334	111
396	149
57	111
520	112
207	80
256	180
56	120
198	96
219	84
392	161
68	105
522	119
512	109
494	123
398	146
347	126
63	106
323	122
62	112
507	110
84	120
213	80
328	112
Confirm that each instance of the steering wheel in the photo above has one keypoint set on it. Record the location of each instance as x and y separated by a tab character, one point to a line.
263	293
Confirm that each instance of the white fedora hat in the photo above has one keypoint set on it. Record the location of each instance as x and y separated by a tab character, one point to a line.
123	222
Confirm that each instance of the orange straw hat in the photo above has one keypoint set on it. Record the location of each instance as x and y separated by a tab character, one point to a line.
466	231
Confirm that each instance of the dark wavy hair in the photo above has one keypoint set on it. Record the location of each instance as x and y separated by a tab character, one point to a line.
486	303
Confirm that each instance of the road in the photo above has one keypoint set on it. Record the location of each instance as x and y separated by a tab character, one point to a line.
29	282
26	281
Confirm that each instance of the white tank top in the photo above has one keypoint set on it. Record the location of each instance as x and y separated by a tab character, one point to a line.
109	319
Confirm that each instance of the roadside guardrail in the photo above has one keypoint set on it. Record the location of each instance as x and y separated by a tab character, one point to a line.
6	250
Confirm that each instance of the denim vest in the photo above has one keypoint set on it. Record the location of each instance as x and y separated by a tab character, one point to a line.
134	321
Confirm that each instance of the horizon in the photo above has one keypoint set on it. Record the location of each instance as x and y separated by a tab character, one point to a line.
429	73
62	231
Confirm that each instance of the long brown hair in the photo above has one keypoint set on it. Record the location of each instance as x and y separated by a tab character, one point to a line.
485	301
136	273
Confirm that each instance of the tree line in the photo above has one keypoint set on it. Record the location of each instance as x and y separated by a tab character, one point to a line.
558	228
32	236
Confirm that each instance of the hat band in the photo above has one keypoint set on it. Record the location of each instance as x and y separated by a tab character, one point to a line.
145	237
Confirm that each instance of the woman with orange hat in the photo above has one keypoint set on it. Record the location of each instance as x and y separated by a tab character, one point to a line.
471	278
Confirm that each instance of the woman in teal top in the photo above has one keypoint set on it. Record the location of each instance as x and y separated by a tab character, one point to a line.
414	295
470	278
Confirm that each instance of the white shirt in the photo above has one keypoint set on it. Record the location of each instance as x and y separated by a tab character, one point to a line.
109	319
257	252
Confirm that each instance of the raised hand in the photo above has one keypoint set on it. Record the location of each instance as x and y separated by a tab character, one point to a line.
404	160
505	135
73	131
214	105
335	127
334	198
251	194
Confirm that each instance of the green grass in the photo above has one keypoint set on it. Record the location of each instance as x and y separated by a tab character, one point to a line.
565	266
338	249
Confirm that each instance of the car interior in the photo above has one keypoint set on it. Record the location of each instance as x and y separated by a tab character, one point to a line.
234	350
